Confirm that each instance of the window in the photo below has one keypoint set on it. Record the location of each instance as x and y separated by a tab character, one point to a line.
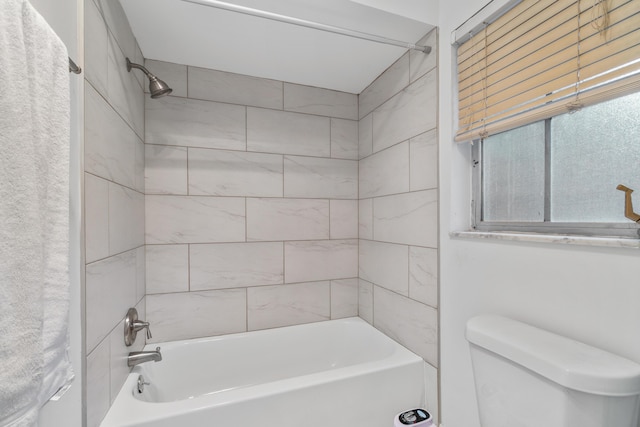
560	175
549	91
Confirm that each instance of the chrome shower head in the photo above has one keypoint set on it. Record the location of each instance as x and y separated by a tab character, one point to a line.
157	87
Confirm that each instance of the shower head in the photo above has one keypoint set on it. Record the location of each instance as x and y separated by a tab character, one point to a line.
157	87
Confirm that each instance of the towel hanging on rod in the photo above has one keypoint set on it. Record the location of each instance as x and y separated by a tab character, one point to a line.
73	67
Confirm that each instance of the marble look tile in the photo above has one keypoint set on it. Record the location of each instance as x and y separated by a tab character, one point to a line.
233	88
284	305
195	123
344	298
110	144
320	260
423	275
410	218
175	75
365	300
323	102
283	132
139	166
118	25
365	136
344	139
96	43
424	161
188	315
138	58
385	264
343	215
236	265
411	112
431	391
98	384
412	324
110	291
365	219
118	356
234	173
125	93
141	274
126	219
320	178
96	213
385	172
165	170
194	219
420	64
167	268
287	219
392	81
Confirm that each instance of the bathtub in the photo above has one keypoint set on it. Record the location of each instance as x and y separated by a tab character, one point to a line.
336	373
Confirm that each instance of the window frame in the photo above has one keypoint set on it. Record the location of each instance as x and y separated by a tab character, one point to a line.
588	229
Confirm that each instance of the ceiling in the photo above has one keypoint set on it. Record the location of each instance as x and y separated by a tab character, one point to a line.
192	34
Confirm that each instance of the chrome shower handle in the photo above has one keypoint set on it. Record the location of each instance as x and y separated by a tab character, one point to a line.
132	326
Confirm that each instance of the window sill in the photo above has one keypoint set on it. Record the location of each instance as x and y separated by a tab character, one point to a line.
609	242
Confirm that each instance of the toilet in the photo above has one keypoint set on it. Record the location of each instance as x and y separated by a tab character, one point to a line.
528	377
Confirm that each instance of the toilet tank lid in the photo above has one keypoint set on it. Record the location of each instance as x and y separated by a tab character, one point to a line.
570	363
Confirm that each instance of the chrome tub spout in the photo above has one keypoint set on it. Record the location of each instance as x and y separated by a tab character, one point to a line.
138	357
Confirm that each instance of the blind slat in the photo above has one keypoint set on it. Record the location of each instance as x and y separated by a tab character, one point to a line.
527	61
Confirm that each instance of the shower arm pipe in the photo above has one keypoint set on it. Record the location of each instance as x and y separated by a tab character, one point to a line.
308	24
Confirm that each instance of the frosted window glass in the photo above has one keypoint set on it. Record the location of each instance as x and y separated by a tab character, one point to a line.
513	175
592	151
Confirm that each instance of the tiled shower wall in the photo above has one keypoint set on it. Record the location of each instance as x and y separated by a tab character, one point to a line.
114	199
398	211
251	204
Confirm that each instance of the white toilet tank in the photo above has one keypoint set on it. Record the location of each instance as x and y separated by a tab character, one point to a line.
527	377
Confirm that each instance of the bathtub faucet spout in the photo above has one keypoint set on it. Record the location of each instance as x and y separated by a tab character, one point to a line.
138	357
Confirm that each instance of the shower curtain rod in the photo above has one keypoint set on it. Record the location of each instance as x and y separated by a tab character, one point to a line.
309	24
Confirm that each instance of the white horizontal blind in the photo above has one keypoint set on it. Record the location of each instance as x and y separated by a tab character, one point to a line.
543	58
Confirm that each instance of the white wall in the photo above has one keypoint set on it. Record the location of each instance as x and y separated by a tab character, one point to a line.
63	17
586	293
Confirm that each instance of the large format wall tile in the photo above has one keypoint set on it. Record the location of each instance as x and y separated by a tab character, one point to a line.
323	102
234	88
231	173
365	300
96	43
283	305
344	298
236	265
409	218
195	123
287	219
126	219
167	268
96	212
424	161
320	178
423	275
110	144
110	286
165	170
409	113
194	219
98	384
344	219
392	81
386	172
271	131
197	314
320	260
421	63
344	139
385	264
409	322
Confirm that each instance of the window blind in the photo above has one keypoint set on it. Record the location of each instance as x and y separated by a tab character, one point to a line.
546	57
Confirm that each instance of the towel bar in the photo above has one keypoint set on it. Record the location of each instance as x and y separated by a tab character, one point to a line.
73	68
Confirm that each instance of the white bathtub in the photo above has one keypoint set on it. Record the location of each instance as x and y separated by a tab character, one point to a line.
336	373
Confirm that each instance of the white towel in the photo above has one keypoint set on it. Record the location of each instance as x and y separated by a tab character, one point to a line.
34	213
